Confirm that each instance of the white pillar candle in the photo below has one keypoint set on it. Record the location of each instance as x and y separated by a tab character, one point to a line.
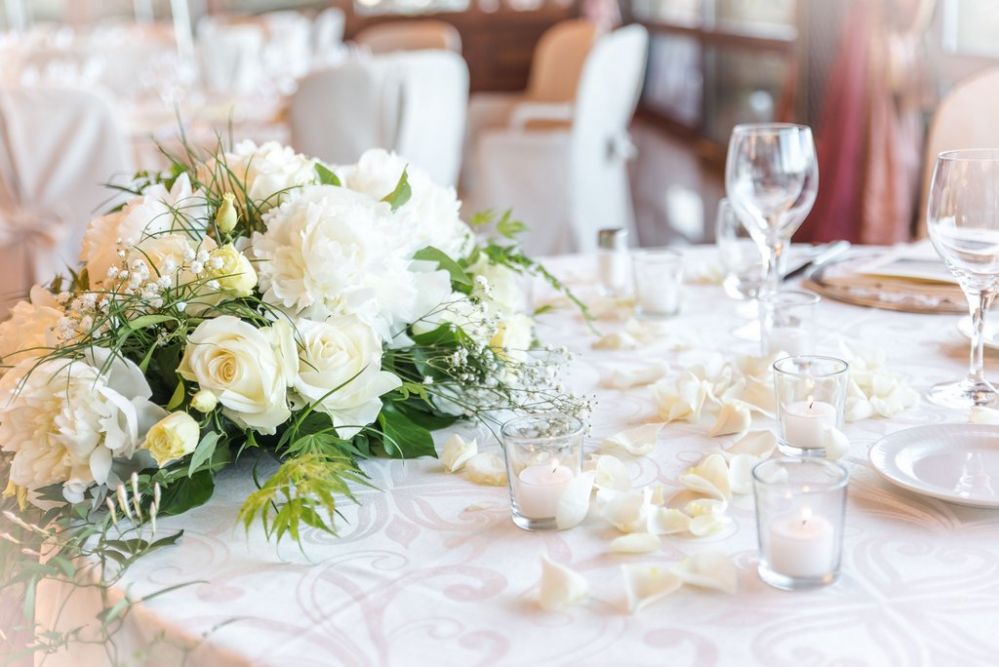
791	340
801	545
539	488
806	422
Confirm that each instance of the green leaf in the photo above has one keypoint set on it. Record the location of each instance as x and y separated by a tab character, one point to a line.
458	275
482	218
509	227
402	437
203	452
144	321
109	614
187	492
401	194
326	175
177	398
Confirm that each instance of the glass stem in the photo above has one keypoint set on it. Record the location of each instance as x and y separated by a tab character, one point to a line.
979	303
775	246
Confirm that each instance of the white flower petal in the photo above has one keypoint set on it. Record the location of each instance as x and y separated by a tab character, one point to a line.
858	409
618	340
645	584
682	399
665	521
626	511
628	379
560	586
486	468
757	443
710	477
457	451
574	504
740	473
733	417
709	570
708	524
611	473
637	441
635	543
835	442
761	396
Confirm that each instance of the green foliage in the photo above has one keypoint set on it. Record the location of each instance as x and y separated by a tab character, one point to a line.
401	194
326	175
460	279
401	436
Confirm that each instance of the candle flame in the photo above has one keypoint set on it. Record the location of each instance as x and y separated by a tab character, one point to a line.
806	514
811	401
554	465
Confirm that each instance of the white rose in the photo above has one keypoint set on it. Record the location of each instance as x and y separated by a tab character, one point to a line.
172	438
166	255
232	270
513	337
270	173
248	369
65	421
331	251
430	217
503	290
30	332
156	212
344	354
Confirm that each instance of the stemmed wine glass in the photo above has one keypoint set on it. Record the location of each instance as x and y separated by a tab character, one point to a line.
963	221
771	178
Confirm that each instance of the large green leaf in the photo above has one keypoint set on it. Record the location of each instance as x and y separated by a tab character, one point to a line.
187	492
401	194
458	275
403	438
326	175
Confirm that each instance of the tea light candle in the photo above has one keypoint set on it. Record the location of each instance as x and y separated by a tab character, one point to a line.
801	545
661	299
539	488
806	422
791	340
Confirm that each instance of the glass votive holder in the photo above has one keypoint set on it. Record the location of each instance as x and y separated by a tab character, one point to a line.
800	507
658	282
787	322
811	398
544	452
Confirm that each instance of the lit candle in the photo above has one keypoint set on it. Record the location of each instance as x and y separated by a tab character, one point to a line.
801	545
659	299
791	340
805	423
540	487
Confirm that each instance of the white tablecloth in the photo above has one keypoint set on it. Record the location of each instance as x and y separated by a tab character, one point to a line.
430	570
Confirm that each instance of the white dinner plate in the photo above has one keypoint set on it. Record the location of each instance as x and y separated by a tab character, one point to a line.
991	332
954	462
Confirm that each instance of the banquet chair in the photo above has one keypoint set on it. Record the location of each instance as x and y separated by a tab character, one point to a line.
566	183
417	35
58	150
412	103
230	55
551	87
965	118
327	34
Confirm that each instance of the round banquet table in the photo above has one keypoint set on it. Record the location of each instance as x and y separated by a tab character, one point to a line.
430	570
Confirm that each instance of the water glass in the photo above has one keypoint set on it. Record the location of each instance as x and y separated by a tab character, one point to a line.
788	322
658	282
544	452
800	509
740	258
811	400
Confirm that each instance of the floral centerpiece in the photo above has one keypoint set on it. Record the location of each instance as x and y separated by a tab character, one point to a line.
256	299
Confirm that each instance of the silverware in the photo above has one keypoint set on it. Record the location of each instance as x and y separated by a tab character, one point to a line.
821	255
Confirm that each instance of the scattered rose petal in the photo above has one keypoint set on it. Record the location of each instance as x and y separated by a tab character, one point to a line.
740	473
761	396
655	494
835	442
709	477
680	400
757	443
645	584
626	511
733	417
637	441
611	473
710	570
457	451
560	586
858	409
486	468
628	379
574	504
618	340
664	521
635	543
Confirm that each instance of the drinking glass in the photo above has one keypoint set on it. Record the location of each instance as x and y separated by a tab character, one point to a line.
963	222
658	282
740	258
771	178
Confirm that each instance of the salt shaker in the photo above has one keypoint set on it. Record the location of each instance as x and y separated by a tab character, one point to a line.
612	260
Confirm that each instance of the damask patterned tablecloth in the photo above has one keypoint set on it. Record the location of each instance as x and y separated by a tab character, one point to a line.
430	570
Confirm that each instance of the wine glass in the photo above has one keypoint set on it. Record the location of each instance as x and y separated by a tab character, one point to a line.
963	221
771	178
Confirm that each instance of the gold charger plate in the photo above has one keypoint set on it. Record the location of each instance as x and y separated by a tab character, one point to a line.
840	281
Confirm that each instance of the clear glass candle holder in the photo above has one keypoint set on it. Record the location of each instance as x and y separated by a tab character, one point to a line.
658	282
787	322
811	397
544	452
800	507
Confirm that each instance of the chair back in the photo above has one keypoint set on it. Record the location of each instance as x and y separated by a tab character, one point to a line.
966	118
230	55
599	192
558	60
327	33
58	150
415	35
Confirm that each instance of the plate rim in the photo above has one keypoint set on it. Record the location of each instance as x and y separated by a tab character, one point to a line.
922	491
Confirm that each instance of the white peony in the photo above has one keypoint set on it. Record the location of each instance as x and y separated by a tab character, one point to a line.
430	217
65	421
513	337
343	354
331	251
499	288
30	332
156	212
248	369
270	173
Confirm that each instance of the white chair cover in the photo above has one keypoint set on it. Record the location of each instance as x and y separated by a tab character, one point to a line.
567	184
58	149
288	47
414	35
966	118
412	103
327	34
230	56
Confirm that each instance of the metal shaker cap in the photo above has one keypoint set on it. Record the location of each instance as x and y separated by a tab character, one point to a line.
612	238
